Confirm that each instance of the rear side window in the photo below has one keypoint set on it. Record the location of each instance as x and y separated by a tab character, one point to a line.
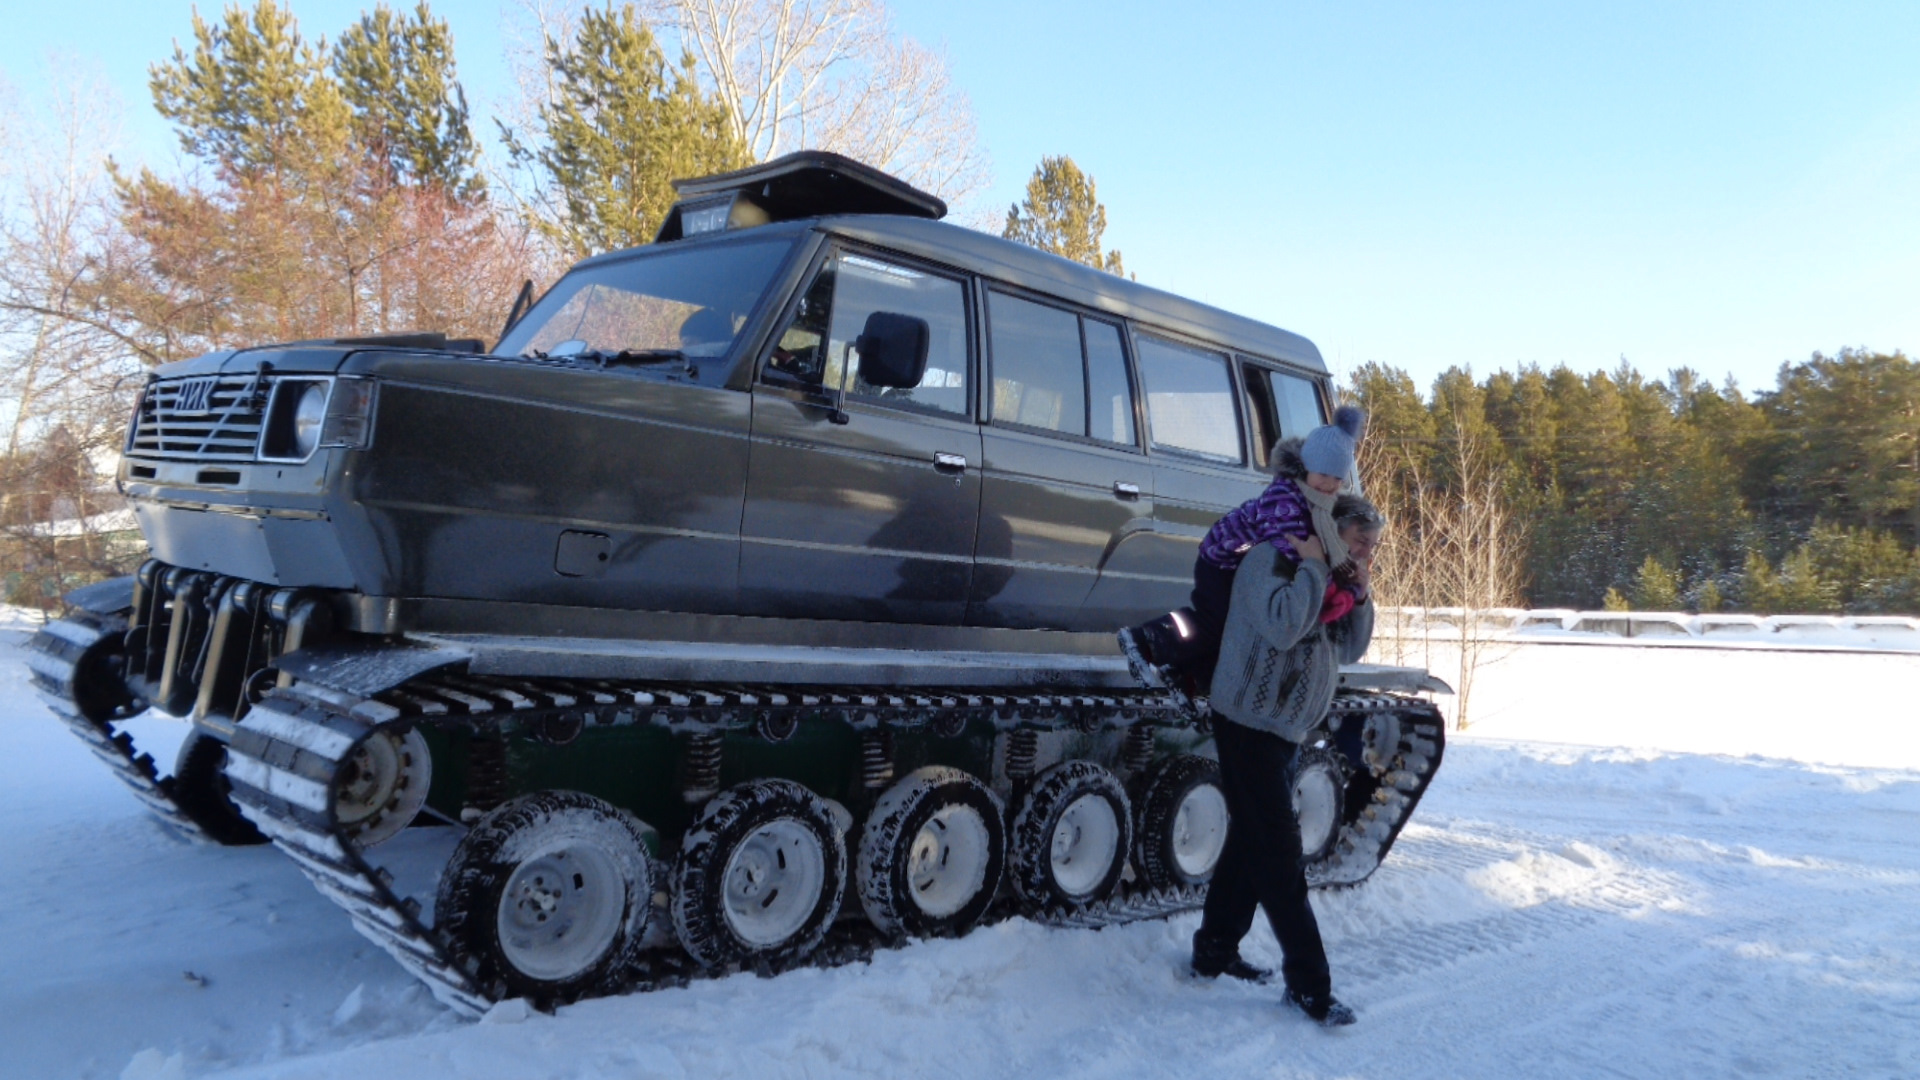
1283	406
1039	379
1298	403
1189	400
1055	370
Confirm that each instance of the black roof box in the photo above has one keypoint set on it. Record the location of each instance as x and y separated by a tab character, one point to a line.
804	184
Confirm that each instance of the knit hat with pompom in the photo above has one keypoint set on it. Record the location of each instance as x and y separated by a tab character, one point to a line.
1329	449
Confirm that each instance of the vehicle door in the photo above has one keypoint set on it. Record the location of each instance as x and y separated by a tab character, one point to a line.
1064	482
862	501
1200	465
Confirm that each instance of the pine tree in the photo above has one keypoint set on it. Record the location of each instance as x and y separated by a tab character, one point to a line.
1062	214
1614	601
1656	588
409	112
254	97
1707	598
621	127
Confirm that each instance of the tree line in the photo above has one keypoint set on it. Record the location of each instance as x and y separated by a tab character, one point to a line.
1614	490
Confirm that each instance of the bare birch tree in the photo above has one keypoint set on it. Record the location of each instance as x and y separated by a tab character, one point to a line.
67	377
832	75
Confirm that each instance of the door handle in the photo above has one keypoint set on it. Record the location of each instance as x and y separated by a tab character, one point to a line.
946	462
1124	490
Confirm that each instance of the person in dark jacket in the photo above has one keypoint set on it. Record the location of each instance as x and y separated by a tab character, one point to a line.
1280	657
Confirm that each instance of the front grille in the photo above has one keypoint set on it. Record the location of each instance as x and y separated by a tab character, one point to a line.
208	418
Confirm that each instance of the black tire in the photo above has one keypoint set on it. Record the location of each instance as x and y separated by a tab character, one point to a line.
548	897
1318	782
1180	821
200	789
100	688
760	876
931	854
1068	844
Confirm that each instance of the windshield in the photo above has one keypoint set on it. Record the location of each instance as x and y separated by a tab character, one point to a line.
690	301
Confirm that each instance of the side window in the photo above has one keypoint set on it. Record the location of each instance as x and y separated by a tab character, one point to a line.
1189	400
1109	395
816	348
1283	407
1038	376
1298	403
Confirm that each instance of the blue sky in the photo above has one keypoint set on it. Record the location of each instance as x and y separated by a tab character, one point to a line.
1719	185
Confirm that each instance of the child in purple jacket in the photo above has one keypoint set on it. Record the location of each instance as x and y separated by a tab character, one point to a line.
1178	650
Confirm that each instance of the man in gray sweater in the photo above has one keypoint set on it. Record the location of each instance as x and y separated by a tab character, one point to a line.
1280	660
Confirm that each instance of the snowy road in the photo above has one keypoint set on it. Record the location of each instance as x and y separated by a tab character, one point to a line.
1555	910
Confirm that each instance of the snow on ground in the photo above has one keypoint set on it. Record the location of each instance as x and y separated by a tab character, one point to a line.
1629	866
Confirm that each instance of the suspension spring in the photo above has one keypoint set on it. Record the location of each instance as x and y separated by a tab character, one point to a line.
876	759
700	775
1022	747
486	776
1138	749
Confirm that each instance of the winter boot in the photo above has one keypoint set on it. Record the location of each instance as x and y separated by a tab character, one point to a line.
1235	968
1153	650
1211	960
1323	1008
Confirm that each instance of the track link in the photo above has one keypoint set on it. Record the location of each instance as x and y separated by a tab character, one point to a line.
55	656
292	747
1402	740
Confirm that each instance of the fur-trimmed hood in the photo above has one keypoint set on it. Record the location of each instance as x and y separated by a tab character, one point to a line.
1285	459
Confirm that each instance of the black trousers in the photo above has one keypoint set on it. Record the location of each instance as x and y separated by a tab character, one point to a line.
1260	865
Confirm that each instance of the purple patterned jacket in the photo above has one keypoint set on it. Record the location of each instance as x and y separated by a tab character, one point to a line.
1275	512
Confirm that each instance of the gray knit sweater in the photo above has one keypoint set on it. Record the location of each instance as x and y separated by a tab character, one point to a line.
1278	663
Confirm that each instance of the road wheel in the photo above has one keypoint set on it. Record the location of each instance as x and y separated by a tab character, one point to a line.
1069	839
200	789
760	875
549	895
1319	799
931	854
1180	821
382	785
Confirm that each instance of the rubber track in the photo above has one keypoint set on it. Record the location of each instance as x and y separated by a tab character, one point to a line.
52	656
1411	765
285	754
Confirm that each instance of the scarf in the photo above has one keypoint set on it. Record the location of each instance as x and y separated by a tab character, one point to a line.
1324	526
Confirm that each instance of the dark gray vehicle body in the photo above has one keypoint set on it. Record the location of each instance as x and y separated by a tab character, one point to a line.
511	494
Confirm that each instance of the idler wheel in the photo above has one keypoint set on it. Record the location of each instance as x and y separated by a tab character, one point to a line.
382	784
549	895
1180	821
931	854
1070	837
760	875
1319	799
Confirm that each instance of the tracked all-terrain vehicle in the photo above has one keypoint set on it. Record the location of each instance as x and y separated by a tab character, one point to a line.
758	587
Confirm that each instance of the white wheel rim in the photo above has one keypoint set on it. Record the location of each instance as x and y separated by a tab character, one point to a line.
773	881
1315	803
387	786
1200	830
561	911
947	863
1085	841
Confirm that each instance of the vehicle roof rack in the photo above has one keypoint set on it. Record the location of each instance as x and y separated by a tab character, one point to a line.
804	184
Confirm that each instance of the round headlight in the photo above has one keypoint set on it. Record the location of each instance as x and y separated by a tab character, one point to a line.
309	414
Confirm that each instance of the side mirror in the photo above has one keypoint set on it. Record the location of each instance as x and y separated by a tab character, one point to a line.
893	350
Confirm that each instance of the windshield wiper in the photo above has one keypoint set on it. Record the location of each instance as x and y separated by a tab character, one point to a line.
637	357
